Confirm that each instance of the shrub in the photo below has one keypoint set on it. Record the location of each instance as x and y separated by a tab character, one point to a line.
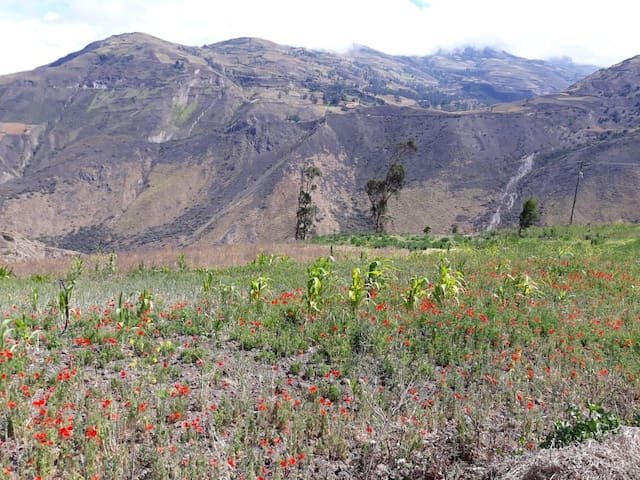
5	272
595	425
530	213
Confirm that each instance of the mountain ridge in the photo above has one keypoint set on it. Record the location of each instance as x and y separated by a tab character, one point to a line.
135	141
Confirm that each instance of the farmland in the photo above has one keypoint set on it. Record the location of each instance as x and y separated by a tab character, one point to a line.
357	363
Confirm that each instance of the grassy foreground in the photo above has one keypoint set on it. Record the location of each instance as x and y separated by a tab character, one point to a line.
407	366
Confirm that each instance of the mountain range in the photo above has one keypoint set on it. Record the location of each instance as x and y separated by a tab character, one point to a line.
138	142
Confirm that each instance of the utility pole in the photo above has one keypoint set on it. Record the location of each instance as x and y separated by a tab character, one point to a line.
575	195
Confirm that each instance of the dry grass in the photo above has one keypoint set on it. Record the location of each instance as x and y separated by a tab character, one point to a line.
222	256
618	457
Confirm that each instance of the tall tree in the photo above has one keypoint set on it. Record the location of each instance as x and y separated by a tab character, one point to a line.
307	210
381	191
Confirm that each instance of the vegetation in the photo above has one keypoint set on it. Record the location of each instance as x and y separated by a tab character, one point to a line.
386	240
530	214
595	424
5	272
355	365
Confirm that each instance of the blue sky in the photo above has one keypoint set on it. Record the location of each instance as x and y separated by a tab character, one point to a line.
37	32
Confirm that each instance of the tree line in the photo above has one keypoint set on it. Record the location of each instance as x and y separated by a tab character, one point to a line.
379	191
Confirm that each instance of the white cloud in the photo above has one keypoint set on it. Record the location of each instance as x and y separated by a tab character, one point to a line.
40	31
51	16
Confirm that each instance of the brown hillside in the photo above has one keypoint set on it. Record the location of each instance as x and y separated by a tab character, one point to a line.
135	141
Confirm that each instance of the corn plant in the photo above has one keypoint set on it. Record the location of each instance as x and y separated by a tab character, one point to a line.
268	260
258	287
123	314
5	272
357	290
520	286
111	263
364	287
24	331
63	300
76	269
182	263
375	277
207	282
6	332
417	290
450	282
317	273
145	303
35	298
228	293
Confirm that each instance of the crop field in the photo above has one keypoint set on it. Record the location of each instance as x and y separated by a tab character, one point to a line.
353	364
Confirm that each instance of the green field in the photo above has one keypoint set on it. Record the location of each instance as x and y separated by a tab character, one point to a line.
410	365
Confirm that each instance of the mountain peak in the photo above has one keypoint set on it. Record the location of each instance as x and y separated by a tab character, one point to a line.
248	43
619	80
469	52
135	141
120	42
132	38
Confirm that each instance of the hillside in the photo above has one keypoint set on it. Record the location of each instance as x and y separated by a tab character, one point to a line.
135	141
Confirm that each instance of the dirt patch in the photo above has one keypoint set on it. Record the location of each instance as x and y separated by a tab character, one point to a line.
13	128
